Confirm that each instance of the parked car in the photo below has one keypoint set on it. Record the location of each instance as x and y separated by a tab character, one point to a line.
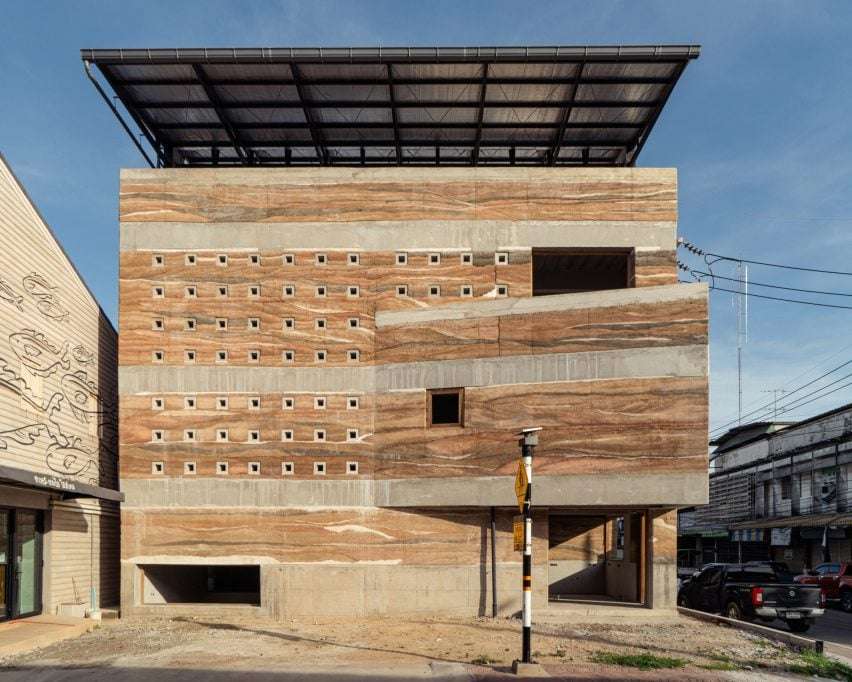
835	578
753	591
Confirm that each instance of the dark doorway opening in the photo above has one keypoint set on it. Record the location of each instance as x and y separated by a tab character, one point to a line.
568	271
190	584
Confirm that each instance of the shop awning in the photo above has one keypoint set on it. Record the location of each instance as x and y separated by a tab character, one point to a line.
68	488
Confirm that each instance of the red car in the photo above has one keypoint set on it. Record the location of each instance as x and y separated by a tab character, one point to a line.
835	578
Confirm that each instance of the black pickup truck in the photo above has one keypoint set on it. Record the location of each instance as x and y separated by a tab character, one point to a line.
753	591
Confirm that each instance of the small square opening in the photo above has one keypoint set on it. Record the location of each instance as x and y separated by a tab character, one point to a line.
189	402
254	468
189	467
289	323
222	290
254	290
289	259
222	259
446	407
288	355
158	324
319	468
287	403
353	323
354	259
351	467
254	323
352	292
321	354
221	324
254	259
221	403
190	259
287	468
287	435
321	291
221	467
157	404
352	404
289	290
157	467
467	258
191	292
434	259
401	258
401	290
322	259
157	260
320	323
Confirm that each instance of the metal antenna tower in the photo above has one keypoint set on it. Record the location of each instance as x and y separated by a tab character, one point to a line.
741	303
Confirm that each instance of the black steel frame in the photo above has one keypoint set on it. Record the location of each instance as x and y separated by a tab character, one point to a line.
618	143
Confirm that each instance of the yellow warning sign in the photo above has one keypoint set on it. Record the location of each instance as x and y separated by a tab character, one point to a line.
521	483
518	533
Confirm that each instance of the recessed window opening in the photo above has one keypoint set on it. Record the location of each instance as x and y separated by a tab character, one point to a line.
446	407
567	271
198	584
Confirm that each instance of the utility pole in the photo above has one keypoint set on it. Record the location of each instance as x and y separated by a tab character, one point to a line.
523	489
775	393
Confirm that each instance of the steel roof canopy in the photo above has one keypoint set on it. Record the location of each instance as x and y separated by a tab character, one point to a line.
391	106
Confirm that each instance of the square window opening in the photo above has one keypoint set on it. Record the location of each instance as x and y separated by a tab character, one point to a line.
446	407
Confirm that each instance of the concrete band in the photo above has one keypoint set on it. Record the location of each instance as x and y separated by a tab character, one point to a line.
545	304
327	175
633	363
583	490
473	235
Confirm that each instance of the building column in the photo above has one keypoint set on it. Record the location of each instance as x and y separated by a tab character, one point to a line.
662	559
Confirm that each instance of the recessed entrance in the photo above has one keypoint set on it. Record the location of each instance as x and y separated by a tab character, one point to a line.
20	563
191	584
598	558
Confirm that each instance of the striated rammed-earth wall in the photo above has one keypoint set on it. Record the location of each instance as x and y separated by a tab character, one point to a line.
617	379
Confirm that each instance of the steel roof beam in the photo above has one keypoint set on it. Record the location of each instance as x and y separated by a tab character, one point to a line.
316	136
492	80
394	116
408	104
220	112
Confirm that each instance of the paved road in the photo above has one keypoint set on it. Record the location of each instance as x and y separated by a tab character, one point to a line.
834	628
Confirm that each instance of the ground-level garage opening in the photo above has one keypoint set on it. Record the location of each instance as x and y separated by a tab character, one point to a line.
198	584
597	557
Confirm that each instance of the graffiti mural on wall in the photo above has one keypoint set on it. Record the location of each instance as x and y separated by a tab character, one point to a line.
72	425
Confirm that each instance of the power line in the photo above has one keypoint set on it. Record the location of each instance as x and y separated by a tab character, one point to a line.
764	408
699	252
771	286
785	300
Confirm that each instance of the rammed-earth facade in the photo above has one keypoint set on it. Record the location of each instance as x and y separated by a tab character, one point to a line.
323	372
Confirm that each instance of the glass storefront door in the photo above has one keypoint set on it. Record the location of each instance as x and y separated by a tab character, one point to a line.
27	563
20	563
5	606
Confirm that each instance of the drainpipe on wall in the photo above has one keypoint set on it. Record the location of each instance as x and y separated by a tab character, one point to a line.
493	563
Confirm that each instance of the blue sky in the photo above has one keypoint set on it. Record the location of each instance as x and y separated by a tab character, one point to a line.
759	129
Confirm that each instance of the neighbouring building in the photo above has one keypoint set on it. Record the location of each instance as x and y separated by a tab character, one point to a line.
349	280
778	491
59	523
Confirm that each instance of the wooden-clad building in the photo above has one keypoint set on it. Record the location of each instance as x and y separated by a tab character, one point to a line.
349	281
59	523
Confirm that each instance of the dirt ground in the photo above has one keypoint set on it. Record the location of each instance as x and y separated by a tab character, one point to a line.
445	649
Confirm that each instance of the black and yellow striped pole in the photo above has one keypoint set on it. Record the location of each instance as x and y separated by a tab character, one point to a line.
529	439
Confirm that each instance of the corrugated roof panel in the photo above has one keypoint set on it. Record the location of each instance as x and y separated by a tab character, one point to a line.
502	92
361	93
437	93
522	116
242	72
151	71
437	115
536	135
527	70
629	93
437	70
234	93
609	115
628	70
268	116
341	115
147	94
187	115
311	71
438	135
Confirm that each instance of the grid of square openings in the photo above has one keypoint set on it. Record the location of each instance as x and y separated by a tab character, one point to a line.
346	260
255	403
255	468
